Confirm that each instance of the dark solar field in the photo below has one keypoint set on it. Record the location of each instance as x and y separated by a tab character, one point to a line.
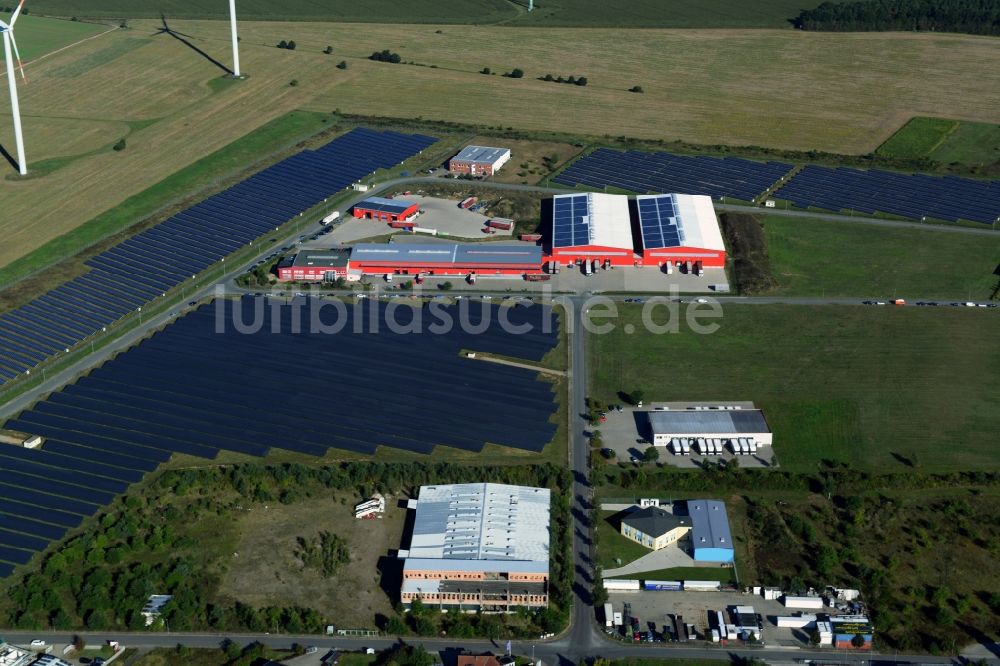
913	196
145	266
191	389
664	173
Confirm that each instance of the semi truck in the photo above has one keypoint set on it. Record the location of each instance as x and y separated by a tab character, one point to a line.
330	218
609	616
468	202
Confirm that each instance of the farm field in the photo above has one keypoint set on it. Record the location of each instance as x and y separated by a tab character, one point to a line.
879	388
38	35
641	14
165	93
818	258
945	141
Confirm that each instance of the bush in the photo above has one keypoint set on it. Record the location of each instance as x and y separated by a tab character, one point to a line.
342	64
385	55
582	81
636	89
282	44
328	50
291	45
485	70
516	73
120	146
293	83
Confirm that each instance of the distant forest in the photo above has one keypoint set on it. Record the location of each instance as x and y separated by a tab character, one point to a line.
977	17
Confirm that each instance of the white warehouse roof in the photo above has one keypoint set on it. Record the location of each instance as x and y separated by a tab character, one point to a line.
591	218
678	220
481	521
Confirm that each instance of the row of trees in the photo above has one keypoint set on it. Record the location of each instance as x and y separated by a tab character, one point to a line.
385	55
981	17
574	80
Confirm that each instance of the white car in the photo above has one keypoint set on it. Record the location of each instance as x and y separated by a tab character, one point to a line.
701	300
37	643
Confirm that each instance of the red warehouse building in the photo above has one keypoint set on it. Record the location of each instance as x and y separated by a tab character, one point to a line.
315	266
679	228
386	210
479	160
480	259
592	227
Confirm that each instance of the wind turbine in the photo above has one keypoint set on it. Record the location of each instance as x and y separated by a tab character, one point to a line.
8	41
236	39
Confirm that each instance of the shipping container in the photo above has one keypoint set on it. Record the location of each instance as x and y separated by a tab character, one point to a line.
796	621
609	616
701	585
401	224
618	619
662	585
468	202
535	277
622	585
685	446
501	223
530	237
815	603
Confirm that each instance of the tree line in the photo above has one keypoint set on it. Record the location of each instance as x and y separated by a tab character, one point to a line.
978	17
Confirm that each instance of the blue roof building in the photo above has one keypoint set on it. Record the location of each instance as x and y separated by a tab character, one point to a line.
711	539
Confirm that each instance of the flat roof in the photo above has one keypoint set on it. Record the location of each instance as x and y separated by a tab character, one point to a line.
678	220
591	219
333	258
709	524
466	254
654	521
435	585
481	154
385	205
497	566
707	421
481	521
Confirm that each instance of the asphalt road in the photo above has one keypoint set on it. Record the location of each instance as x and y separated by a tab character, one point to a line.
562	652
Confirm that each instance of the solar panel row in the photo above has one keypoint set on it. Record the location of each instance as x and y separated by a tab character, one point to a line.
190	389
641	172
913	196
658	223
145	266
571	221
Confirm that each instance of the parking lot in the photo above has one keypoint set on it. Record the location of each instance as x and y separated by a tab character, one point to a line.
694	607
627	434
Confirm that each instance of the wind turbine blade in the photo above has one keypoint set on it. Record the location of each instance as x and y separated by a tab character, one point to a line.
17	55
17	12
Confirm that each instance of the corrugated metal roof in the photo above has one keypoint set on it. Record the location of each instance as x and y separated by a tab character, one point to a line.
709	524
481	154
481	521
466	254
707	421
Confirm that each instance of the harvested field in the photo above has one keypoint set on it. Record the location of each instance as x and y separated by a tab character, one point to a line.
701	86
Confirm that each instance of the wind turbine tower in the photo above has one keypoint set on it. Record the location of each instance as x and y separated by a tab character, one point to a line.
8	42
236	39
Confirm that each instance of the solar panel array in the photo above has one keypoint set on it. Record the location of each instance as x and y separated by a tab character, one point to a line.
658	221
913	196
571	221
189	389
641	172
138	270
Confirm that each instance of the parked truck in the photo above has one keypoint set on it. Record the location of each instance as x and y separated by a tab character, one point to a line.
330	218
587	268
467	203
609	616
699	269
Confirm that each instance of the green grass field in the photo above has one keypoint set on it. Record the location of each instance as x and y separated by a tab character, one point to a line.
817	258
945	141
37	36
641	13
612	545
879	388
